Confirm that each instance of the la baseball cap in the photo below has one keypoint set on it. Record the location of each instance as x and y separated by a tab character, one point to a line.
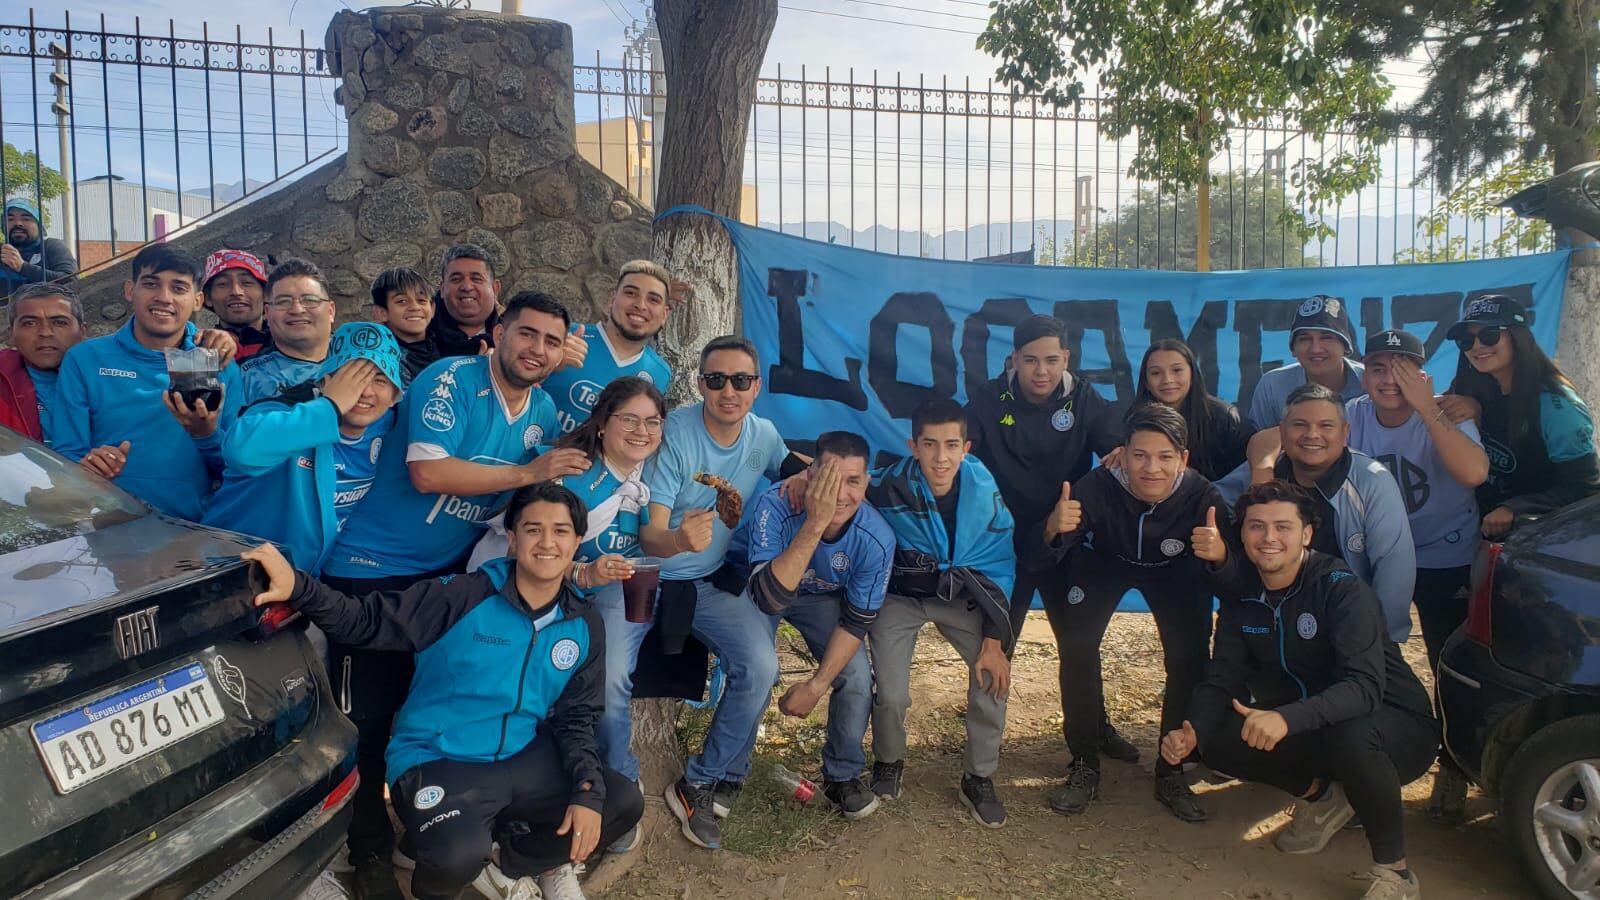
222	260
1403	343
1489	309
1323	313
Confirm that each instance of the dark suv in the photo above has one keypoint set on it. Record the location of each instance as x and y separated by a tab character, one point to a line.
1519	687
159	736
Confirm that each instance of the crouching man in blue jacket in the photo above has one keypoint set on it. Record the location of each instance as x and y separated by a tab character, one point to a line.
313	449
495	742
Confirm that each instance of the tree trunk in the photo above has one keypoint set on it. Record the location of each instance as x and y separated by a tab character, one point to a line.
1569	121
712	53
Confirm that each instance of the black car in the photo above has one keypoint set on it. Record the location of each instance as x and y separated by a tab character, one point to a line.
1519	690
159	735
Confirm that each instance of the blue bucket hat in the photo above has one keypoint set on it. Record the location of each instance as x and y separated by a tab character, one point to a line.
26	206
365	340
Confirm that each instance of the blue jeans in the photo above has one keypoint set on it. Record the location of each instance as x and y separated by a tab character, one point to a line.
741	637
614	732
816	616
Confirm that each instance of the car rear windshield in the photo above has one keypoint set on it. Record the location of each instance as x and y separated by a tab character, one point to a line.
45	497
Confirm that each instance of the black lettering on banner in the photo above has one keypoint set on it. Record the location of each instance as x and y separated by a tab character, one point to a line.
1161	320
1371	323
916	309
1102	316
92	750
790	375
1005	312
1250	319
1439	310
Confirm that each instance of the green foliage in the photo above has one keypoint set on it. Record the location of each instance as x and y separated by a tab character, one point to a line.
1255	223
1184	74
1475	200
24	177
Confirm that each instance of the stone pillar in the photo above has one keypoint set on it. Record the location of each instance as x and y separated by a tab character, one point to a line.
1578	346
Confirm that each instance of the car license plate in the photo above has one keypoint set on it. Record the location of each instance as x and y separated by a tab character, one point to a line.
89	741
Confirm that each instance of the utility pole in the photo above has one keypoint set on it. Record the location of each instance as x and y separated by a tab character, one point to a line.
63	112
510	7
644	43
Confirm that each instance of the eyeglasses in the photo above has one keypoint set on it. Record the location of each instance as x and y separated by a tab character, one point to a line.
1488	335
632	423
717	380
307	301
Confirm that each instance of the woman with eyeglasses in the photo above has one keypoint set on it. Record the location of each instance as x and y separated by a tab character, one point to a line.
1170	375
1538	433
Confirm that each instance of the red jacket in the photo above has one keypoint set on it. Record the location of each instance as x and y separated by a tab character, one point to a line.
19	406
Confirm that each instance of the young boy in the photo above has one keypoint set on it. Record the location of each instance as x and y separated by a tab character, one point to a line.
403	300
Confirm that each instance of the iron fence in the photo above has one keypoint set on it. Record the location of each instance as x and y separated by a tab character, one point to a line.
171	128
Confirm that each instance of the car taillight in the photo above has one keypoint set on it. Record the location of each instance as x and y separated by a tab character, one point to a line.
275	617
1480	624
342	793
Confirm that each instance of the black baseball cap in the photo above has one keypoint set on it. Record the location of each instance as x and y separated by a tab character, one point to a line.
1323	313
1395	341
1489	309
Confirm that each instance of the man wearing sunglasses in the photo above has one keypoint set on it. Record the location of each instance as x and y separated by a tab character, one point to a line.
300	320
617	347
718	437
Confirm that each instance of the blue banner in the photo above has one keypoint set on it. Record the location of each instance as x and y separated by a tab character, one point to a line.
855	339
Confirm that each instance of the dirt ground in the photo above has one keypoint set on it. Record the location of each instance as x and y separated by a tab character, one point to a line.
1126	846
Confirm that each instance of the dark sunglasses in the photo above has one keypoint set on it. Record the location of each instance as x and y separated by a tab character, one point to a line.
717	380
1488	335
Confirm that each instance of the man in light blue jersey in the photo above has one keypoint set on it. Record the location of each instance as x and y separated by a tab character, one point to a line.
719	437
824	569
617	347
465	439
300	320
1438	465
1320	338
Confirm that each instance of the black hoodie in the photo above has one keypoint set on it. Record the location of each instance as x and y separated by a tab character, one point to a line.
1319	655
1032	447
1119	526
448	338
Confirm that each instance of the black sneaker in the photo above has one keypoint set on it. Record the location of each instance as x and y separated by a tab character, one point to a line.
887	779
1173	793
374	878
978	796
852	798
1116	746
1083	785
691	804
723	797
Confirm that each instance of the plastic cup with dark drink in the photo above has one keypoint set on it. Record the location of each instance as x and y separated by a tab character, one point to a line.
192	375
639	591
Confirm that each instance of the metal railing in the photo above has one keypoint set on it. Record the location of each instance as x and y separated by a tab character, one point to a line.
127	137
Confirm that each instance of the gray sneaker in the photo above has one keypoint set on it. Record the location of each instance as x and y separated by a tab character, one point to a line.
1387	884
1315	823
560	883
626	843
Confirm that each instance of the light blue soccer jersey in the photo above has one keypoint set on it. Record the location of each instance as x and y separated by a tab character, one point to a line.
616	511
575	390
1442	512
452	409
355	464
1272	391
856	565
686	450
270	373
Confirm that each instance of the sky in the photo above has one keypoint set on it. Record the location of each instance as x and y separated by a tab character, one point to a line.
939	182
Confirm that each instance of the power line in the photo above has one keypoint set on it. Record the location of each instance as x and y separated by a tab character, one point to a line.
919	10
824	12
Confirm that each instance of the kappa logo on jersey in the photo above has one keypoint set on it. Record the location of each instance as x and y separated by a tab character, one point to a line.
583	394
1075	596
118	373
1062	420
564	655
372	455
1357	542
1172	546
441	391
438	415
531	436
1306	626
839	561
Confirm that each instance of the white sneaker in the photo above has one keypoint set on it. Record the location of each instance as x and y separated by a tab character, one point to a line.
326	887
1387	884
561	883
496	885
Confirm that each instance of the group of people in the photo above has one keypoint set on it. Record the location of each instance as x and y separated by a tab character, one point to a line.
462	515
